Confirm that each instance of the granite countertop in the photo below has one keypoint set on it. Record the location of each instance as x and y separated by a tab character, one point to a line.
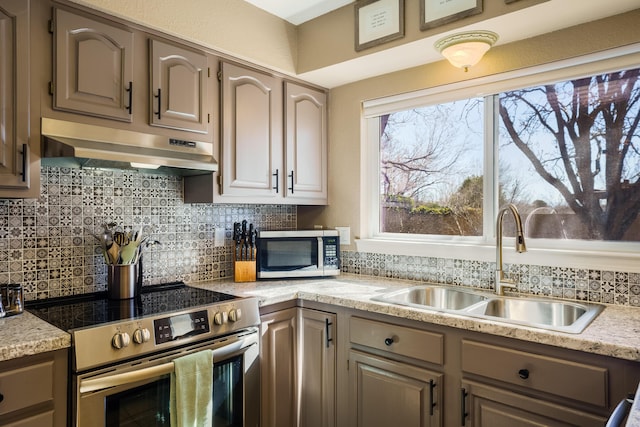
25	334
614	332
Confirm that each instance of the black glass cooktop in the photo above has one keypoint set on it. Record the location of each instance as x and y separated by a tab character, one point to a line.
85	310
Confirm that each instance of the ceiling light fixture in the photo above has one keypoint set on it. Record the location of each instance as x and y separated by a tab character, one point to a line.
464	50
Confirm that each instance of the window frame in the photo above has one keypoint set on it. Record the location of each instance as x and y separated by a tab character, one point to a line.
623	256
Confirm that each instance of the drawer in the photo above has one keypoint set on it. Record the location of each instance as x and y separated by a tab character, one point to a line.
422	345
18	390
565	378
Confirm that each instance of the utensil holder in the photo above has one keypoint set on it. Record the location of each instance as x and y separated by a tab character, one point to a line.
245	271
122	281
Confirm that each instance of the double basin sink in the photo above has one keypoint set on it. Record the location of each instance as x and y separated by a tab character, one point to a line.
555	315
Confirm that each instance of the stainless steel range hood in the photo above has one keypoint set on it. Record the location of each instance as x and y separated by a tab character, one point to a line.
80	145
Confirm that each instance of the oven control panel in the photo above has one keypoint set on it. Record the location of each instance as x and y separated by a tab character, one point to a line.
117	341
181	326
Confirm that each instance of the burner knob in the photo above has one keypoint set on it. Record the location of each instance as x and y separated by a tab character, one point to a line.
220	318
120	340
235	314
141	335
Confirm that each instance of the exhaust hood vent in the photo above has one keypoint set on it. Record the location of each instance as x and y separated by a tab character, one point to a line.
69	144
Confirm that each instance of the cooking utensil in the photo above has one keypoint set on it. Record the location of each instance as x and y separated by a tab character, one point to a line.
114	252
128	252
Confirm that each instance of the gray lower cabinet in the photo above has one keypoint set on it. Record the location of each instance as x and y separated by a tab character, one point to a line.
487	406
387	393
278	368
33	390
298	368
317	374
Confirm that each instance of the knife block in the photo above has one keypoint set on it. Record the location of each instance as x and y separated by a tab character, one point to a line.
245	271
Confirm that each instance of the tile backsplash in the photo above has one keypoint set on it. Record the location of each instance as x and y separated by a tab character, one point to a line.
602	286
45	243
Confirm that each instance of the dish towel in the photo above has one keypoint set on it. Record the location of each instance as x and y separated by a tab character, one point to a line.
192	390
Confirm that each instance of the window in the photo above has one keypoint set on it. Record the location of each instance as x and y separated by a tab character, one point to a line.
562	144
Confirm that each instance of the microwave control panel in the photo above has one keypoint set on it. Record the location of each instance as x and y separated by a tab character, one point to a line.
331	252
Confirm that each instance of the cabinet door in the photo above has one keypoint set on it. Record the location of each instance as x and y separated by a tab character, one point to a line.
388	393
178	87
278	368
485	406
251	133
93	67
14	94
317	354
306	144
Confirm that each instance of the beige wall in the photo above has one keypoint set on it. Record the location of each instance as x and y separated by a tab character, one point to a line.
330	39
345	102
233	27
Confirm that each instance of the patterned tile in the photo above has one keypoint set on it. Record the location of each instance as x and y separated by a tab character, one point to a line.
45	245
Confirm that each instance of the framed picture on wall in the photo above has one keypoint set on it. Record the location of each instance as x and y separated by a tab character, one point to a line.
434	13
377	22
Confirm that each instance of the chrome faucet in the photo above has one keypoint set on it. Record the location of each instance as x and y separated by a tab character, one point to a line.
501	282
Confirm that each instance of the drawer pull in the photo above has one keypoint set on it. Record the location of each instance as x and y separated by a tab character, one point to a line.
1	397
523	373
388	341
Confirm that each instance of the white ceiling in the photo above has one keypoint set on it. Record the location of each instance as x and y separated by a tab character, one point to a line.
299	11
525	23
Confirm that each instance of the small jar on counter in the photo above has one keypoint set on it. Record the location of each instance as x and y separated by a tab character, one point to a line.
12	299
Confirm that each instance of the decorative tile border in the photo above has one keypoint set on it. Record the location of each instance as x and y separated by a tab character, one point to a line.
44	243
603	286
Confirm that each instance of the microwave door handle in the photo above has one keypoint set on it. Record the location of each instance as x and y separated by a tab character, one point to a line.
320	253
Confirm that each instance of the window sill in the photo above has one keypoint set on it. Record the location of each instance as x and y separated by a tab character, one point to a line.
593	260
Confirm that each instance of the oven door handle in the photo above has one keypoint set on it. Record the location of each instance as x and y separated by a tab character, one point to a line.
97	384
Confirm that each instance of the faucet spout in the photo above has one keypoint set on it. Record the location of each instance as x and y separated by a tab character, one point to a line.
500	280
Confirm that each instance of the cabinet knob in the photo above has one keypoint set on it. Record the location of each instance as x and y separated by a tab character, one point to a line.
388	341
523	373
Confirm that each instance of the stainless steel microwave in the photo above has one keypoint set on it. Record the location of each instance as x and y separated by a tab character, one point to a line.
303	253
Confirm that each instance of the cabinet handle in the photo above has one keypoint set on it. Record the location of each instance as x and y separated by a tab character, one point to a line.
388	341
432	385
159	96
25	157
130	90
1	397
327	330
463	407
277	175
291	176
523	373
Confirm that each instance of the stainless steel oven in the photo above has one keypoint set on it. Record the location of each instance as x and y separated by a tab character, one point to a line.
137	393
122	353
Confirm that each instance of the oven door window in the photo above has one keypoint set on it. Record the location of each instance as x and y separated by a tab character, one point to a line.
148	405
289	254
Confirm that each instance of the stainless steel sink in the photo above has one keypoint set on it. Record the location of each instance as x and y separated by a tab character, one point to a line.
435	297
556	315
548	314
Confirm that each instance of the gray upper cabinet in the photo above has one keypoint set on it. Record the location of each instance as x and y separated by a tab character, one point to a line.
178	93
273	146
251	161
305	144
19	168
93	71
